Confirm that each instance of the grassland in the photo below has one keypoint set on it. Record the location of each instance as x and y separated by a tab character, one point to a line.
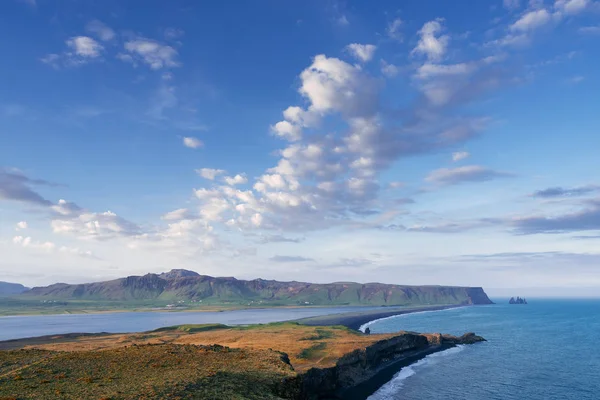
182	362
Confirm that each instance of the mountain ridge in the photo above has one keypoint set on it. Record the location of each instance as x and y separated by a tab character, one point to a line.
9	288
184	285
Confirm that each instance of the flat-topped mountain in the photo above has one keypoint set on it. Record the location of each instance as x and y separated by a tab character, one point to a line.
189	286
9	289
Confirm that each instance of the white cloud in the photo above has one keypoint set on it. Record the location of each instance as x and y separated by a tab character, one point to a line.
28	242
179	214
85	46
91	225
571	7
593	30
331	85
287	130
396	185
460	155
511	4
343	21
210	173
531	21
151	52
427	70
21	225
574	80
432	46
173	33
192	142
236	180
389	70
362	52
51	247
468	173
393	29
101	30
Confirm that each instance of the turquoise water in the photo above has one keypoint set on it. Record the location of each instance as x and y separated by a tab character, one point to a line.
548	349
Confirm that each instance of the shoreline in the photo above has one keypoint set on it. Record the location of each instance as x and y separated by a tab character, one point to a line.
355	320
387	372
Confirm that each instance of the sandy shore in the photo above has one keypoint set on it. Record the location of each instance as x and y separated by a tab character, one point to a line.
354	320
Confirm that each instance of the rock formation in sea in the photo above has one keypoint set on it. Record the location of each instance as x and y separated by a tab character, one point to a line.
518	300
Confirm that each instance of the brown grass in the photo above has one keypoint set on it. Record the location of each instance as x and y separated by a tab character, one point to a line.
291	339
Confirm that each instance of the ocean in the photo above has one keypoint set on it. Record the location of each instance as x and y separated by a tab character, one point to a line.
546	350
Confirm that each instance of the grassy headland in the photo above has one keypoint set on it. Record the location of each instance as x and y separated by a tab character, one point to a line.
272	361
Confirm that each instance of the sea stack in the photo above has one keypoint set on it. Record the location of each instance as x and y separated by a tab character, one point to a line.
518	300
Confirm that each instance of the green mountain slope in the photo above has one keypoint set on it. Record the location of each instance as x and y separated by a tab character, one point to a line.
188	286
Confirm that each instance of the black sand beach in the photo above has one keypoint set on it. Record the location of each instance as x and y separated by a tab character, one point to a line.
354	320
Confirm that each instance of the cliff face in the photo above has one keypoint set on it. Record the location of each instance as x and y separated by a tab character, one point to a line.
190	286
361	366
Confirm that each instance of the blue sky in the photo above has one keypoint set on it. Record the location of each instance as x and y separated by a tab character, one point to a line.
428	142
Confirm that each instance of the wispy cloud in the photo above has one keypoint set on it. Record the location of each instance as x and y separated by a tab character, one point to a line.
290	259
566	192
468	173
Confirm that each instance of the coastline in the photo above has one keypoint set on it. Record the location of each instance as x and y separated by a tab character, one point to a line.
356	375
355	320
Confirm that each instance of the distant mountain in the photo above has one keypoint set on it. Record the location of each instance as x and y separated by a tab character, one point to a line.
9	289
188	286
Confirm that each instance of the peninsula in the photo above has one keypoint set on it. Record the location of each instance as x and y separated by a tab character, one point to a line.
273	361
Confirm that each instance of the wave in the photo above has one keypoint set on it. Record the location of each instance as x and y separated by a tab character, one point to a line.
391	388
365	325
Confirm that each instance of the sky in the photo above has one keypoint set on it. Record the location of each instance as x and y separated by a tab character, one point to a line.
429	142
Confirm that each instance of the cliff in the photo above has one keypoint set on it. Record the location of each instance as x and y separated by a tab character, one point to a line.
359	373
192	288
272	361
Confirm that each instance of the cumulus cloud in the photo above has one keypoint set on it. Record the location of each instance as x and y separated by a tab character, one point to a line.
431	44
362	52
468	173
51	247
21	225
150	52
389	70
210	173
192	142
100	30
290	259
80	51
85	46
460	155
93	225
566	192
235	180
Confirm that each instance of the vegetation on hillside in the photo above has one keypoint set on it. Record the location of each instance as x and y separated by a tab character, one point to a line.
181	289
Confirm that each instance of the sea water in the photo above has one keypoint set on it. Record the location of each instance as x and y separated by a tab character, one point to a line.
548	349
